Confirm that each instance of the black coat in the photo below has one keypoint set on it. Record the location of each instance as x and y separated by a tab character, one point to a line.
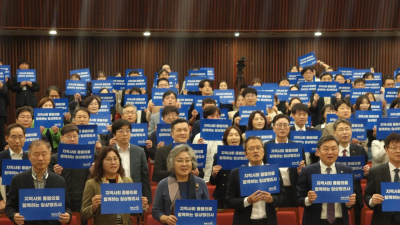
316	111
4	100
221	182
24	97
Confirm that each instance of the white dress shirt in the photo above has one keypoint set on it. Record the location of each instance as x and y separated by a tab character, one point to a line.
284	170
306	154
14	155
125	157
258	209
347	150
392	173
298	128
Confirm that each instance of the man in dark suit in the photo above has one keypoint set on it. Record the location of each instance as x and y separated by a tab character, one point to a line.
388	172
25	90
258	208
38	177
133	157
180	132
250	98
342	132
3	112
289	175
15	136
324	213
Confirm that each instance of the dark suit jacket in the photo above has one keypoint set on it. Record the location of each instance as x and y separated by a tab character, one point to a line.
242	214
316	111
313	157
4	100
356	150
6	155
242	128
24	180
195	130
221	181
26	97
312	213
377	174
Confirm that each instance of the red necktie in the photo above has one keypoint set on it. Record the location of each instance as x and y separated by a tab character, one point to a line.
330	208
344	152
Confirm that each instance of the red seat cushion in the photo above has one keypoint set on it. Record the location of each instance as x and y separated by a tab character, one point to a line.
225	218
286	217
5	221
368	217
211	189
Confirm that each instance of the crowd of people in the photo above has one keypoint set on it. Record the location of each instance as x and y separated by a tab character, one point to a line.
116	160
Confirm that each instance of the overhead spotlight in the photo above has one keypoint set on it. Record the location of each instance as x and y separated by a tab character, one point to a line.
237	34
53	32
317	33
146	33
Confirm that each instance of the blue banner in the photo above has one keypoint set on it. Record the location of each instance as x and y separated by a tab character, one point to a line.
263	178
198	73
173	75
62	103
282	93
308	123
140	101
48	117
192	83
139	134
164	134
359	128
97	85
108	97
293	77
87	134
390	94
391	196
31	134
245	111
374	86
356	92
371	116
183	112
101	121
140	82
345	89
303	95
105	108
347	72
200	151
307	60
118	83
285	154
386	126
12	167
75	86
393	113
308	86
121	198
42	204
213	129
141	72
75	156
265	135
378	76
330	118
224	114
2	76
196	212
157	95
226	96
356	163
332	188
376	106
26	75
231	156
198	100
359	73
83	73
308	139
266	99
327	89
6	70
210	72
186	100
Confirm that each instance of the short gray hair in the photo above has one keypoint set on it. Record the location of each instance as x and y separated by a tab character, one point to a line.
176	151
252	138
339	121
325	138
129	105
37	143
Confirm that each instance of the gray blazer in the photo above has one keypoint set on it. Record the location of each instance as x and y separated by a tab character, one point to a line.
154	120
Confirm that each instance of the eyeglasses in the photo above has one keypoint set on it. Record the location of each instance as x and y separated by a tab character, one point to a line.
329	150
68	137
110	160
180	161
258	148
129	112
284	125
346	129
17	137
25	117
171	116
94	104
123	131
250	96
394	148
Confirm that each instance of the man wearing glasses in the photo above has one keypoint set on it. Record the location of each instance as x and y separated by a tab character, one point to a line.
169	99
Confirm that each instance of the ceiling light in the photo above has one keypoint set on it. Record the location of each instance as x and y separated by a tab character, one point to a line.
237	34
53	32
146	33
317	33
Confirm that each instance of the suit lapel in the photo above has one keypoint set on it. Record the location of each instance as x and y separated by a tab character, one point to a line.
385	173
29	178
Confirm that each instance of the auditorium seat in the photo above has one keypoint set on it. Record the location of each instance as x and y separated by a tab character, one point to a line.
225	218
153	193
286	217
366	216
363	186
351	215
301	211
211	189
4	220
149	220
74	221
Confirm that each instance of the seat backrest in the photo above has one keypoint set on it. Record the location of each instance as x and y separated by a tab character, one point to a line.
225	218
286	217
5	221
368	217
74	221
363	186
211	189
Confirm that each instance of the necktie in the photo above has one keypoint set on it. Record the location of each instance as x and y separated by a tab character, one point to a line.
330	209
396	179
344	152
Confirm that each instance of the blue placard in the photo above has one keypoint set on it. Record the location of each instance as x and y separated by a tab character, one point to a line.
303	95
198	73
108	97
198	100
308	139
200	150
345	89
376	106
390	94
231	156
225	96
48	117
183	112
265	135
140	82
393	113
308	123
141	72
62	103
396	72
282	93
140	101
6	70
192	83
307	60
2	76
101	121
224	114
118	83
266	99
164	134
186	100
374	86
378	76
139	134
391	196
331	118
119	198
371	116
356	92
31	134
11	167
327	89
42	204
83	73
261	89
75	156
210	72
332	188
245	111
347	72
213	129
308	86
87	134
173	75
26	75
263	178
359	128
271	86
293	77
285	154
386	126
75	86
196	212
105	108
157	95
356	163
97	85
359	73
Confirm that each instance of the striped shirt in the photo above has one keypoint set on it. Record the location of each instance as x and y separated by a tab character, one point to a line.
39	184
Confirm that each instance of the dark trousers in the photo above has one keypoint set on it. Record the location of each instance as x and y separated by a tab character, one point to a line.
357	213
289	199
2	132
338	221
258	222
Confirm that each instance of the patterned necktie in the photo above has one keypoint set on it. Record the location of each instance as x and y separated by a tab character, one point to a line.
344	152
396	179
330	209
